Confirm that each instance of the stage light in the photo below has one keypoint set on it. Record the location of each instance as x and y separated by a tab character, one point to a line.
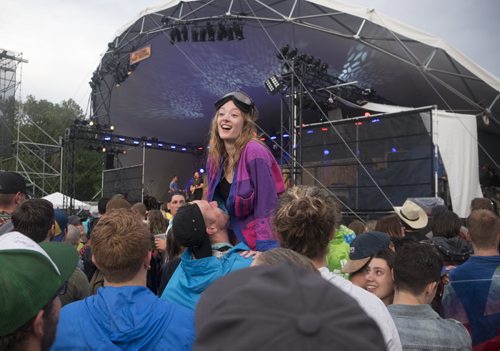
107	138
221	32
160	144
202	170
282	54
262	139
164	21
111	127
285	135
194	34
367	114
358	123
375	120
121	140
203	34
292	53
131	69
229	33
326	152
136	142
149	144
273	85
394	149
200	148
91	123
184	32
175	35
210	32
103	149
238	31
184	149
173	147
273	137
324	129
310	131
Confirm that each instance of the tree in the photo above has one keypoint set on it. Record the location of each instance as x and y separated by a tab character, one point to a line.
43	122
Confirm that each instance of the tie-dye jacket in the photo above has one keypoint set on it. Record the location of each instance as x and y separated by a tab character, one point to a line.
253	196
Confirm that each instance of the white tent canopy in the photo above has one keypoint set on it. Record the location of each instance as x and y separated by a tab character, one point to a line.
60	200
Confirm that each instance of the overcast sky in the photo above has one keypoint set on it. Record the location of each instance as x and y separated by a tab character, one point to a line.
63	40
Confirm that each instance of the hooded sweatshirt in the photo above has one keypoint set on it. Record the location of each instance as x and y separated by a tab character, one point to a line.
124	318
193	276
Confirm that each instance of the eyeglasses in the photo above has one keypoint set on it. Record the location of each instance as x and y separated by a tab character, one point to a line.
240	99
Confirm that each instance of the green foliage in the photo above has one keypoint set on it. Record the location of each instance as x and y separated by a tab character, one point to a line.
44	122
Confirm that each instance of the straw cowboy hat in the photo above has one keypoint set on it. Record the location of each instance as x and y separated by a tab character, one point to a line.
412	214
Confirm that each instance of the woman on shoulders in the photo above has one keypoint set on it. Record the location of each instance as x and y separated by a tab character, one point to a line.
243	176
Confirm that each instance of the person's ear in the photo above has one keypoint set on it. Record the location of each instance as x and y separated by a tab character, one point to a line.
431	289
38	324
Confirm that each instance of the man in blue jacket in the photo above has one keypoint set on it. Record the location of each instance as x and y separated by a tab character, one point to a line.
124	314
202	228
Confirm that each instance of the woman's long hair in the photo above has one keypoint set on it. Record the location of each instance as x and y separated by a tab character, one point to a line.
217	151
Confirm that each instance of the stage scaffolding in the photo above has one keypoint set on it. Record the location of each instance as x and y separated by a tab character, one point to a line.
40	161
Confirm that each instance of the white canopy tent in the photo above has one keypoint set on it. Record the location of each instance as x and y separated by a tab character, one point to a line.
60	200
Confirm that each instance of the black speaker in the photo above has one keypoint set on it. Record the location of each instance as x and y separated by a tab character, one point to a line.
110	161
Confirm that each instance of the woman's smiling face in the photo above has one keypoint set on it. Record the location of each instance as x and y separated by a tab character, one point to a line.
230	122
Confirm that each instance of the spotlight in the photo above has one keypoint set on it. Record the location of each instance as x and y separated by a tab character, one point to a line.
91	123
111	127
164	21
292	53
273	85
103	149
221	32
284	50
238	31
131	69
203	34
210	32
194	34
175	35
184	32
229	33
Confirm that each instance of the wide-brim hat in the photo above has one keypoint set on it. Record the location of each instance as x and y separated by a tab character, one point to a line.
412	214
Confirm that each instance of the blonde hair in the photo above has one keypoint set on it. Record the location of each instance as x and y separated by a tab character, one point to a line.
217	151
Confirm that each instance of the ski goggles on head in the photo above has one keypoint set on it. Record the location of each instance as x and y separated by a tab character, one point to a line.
240	99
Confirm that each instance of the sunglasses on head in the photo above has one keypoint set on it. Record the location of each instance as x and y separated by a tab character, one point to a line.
240	99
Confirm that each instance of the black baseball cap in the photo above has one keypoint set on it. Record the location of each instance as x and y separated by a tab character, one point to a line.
190	231
12	183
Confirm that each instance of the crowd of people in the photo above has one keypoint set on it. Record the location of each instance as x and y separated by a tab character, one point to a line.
246	265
